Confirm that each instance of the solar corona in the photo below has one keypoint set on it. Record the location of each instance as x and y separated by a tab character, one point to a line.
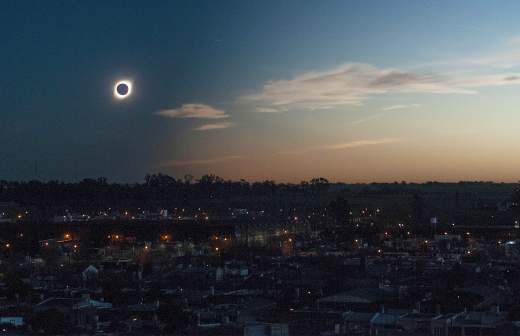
122	89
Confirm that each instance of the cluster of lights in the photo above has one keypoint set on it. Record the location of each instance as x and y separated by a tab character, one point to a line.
220	238
165	237
114	236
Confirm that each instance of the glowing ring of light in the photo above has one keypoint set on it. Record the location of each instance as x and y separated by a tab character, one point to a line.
128	85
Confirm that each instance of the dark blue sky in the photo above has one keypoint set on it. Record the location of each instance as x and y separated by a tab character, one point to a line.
59	61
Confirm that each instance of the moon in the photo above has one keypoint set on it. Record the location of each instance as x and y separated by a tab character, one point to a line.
122	89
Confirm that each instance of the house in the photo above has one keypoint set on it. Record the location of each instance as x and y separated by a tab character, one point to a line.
418	323
477	323
359	299
356	323
440	326
386	320
91	313
90	273
14	321
266	329
145	313
218	315
80	312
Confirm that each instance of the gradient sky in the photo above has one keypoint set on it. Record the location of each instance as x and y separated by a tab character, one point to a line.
353	91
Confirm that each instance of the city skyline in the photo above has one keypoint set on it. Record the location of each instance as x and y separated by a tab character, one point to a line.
351	91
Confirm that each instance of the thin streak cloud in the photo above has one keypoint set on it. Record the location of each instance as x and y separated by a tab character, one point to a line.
385	110
399	107
344	145
199	111
269	110
364	120
210	161
214	126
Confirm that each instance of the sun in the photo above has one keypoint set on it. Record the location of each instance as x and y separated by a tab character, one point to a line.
123	89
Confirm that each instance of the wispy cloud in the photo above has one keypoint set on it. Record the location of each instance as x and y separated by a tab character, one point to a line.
385	110
354	83
270	110
215	126
199	111
399	107
209	161
364	120
344	145
505	57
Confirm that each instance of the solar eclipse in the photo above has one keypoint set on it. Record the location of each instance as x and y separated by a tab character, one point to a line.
122	89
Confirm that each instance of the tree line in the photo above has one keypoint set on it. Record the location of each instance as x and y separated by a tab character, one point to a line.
155	189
